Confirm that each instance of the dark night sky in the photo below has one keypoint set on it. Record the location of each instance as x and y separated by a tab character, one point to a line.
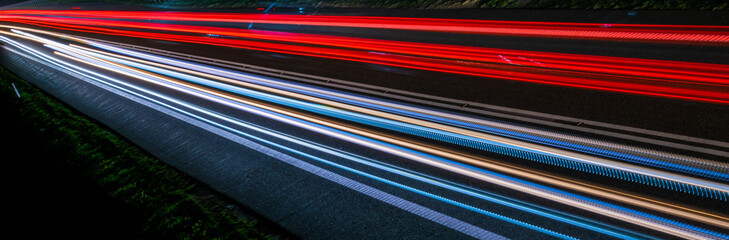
4	3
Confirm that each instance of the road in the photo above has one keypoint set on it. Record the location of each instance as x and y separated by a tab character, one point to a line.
555	134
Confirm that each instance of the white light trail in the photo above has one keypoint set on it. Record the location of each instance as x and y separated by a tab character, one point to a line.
369	140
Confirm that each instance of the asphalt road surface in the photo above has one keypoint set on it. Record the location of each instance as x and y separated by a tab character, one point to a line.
405	118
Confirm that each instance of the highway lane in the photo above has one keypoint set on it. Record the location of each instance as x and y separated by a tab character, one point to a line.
423	146
355	116
31	35
700	113
500	226
684	80
275	170
543	98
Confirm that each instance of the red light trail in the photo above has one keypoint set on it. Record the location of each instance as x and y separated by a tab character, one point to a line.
691	34
685	80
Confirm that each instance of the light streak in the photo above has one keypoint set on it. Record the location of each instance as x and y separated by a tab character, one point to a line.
677	162
538	190
686	34
603	194
635	217
16	90
439	218
653	69
494	142
666	162
191	90
704	82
